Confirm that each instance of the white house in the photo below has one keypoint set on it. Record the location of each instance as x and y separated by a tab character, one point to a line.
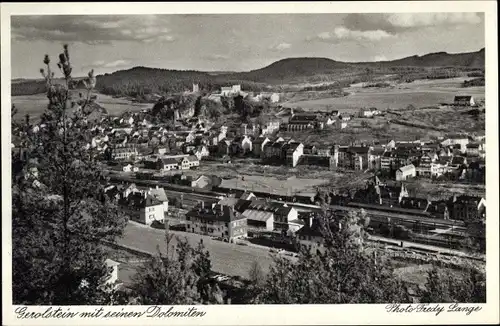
189	162
123	153
293	153
270	127
273	97
152	211
143	208
241	144
340	124
226	91
366	113
201	151
130	168
406	172
160	194
113	274
461	140
169	164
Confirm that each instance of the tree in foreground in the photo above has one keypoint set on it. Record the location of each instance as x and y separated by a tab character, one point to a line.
256	274
464	285
341	273
59	218
180	276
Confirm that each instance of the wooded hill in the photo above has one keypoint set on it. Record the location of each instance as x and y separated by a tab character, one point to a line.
138	81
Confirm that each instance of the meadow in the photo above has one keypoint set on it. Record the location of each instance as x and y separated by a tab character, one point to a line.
420	93
34	105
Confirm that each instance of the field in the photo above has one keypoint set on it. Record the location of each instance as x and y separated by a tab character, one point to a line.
424	124
34	105
117	106
230	259
420	93
288	186
265	178
437	190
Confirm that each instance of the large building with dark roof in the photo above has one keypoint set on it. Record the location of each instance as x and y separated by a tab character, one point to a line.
216	220
143	208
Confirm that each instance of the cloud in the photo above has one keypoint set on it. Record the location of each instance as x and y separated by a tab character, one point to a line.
379	58
342	33
216	57
394	23
433	19
280	47
110	64
116	63
103	29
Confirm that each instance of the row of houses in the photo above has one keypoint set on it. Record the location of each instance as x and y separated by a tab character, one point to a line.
235	90
414	158
123	138
395	194
171	162
231	218
308	121
142	205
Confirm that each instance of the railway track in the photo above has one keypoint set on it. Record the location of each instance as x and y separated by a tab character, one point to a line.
191	197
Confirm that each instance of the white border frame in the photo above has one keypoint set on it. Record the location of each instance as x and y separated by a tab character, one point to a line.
270	314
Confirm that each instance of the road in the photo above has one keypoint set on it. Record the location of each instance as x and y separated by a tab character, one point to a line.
227	258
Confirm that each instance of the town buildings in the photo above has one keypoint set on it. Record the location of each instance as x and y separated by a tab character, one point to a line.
293	153
160	195
143	208
468	208
465	100
217	221
124	153
310	237
406	172
231	90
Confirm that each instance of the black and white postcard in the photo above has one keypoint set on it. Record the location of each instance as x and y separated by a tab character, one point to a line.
250	163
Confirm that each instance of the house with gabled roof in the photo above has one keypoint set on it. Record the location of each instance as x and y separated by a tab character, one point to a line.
310	236
439	209
272	150
241	145
216	220
464	100
374	158
201	152
406	172
143	208
258	145
474	149
160	195
189	162
293	153
169	164
414	203
123	153
467	208
224	147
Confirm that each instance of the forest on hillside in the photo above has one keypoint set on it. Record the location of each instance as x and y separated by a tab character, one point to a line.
280	76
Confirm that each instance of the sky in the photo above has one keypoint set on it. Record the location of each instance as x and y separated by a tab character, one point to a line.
208	42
